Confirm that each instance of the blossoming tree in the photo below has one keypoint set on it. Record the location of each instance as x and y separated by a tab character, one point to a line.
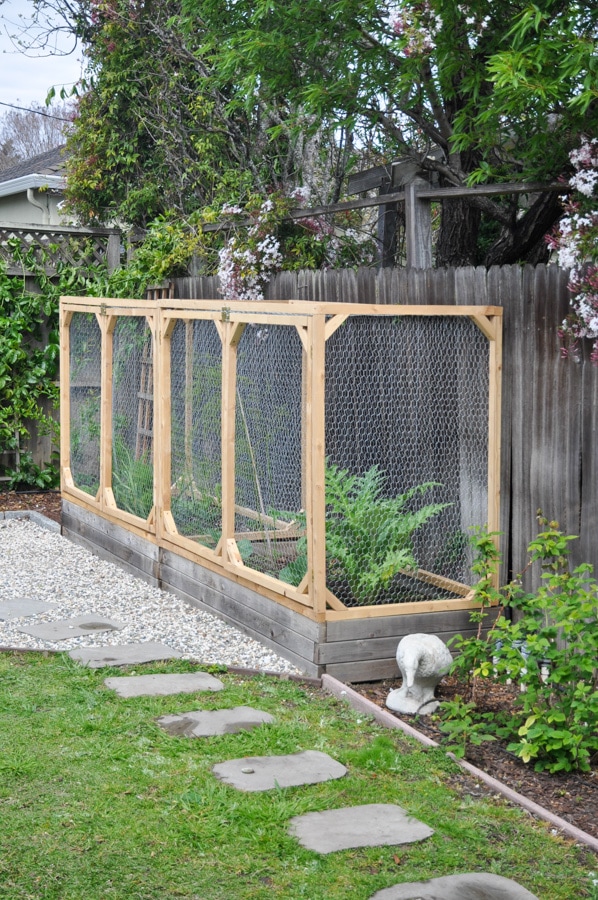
576	242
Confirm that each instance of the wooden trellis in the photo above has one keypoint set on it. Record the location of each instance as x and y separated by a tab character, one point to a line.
315	327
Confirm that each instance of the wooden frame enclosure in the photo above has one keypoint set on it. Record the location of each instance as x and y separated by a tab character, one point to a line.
208	565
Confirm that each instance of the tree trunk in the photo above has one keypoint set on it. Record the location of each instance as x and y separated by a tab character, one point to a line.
457	239
524	242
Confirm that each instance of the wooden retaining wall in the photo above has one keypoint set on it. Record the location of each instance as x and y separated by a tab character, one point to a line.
354	651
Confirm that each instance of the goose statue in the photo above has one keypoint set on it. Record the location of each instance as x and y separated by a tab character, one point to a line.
423	659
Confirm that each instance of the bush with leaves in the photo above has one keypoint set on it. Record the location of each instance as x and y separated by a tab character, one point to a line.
551	651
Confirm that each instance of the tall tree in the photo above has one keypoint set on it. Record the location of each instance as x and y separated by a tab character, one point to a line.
192	100
487	90
28	132
156	131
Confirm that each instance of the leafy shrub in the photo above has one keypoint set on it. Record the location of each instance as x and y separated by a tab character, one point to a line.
551	651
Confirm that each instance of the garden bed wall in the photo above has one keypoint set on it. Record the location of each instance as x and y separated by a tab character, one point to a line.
270	462
354	650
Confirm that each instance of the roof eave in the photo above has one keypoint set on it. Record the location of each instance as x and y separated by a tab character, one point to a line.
19	185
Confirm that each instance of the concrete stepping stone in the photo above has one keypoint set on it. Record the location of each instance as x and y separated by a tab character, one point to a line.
163	685
17	609
371	825
204	723
123	655
63	629
264	773
471	886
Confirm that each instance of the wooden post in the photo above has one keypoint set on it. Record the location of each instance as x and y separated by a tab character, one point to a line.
107	326
494	428
113	252
162	423
232	335
66	317
316	511
418	226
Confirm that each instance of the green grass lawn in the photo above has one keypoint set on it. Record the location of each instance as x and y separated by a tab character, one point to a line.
98	802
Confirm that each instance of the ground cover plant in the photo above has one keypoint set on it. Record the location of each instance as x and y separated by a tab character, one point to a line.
97	801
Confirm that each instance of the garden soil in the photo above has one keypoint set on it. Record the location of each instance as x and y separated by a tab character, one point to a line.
572	796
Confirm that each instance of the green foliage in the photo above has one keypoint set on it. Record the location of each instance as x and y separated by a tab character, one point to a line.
473	659
132	481
493	91
551	651
28	368
368	535
463	724
29	474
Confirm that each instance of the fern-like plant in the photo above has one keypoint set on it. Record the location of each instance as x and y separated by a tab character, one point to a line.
369	537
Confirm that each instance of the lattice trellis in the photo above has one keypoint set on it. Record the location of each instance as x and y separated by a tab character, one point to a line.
48	247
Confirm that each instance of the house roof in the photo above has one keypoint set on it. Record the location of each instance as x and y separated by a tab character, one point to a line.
46	170
52	162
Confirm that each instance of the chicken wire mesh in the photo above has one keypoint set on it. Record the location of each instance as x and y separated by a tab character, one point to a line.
85	368
406	406
132	416
196	379
268	489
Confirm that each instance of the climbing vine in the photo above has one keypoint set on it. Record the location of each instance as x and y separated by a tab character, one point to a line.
28	369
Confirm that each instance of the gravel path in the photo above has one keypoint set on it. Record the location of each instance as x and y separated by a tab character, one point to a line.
40	565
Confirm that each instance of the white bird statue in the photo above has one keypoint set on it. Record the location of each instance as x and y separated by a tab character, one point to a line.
423	659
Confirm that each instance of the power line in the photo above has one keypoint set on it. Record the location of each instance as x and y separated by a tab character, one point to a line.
38	112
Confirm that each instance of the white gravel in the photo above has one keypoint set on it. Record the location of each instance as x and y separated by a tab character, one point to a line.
38	564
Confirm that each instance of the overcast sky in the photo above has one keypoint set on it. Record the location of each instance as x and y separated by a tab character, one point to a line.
26	79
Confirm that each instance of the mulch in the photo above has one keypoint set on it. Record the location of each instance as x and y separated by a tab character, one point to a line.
572	796
47	503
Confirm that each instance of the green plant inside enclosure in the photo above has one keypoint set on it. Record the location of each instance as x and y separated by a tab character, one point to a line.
369	537
551	651
98	802
132	480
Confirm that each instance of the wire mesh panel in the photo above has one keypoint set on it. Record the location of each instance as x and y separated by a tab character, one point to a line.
268	521
196	471
132	416
85	367
407	455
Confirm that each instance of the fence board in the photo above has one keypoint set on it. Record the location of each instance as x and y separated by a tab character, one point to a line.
549	406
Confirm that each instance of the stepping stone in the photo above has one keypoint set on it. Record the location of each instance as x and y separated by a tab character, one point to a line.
263	773
472	886
204	723
68	628
16	609
372	825
163	685
123	655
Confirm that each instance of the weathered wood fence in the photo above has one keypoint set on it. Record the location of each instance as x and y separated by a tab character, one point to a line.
549	406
